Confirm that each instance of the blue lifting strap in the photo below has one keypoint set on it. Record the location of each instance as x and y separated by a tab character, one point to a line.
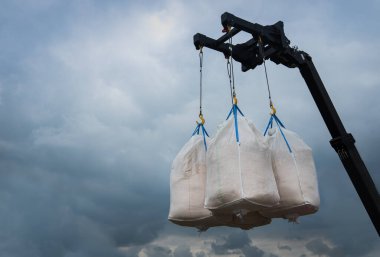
279	124
196	131
235	109
278	120
270	124
204	133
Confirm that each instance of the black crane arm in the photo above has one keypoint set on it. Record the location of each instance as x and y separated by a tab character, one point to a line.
270	42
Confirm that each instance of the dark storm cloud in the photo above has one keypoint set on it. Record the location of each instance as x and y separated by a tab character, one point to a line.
70	186
96	98
57	212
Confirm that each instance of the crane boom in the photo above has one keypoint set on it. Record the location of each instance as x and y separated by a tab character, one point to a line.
270	42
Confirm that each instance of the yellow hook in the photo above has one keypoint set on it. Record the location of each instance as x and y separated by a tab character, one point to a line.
202	119
235	100
272	109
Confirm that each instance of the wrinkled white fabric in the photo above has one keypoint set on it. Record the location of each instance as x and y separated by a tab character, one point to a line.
239	177
187	187
295	176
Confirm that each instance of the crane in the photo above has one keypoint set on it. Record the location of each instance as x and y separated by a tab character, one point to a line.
270	42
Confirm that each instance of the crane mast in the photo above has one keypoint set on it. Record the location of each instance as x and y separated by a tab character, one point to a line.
270	42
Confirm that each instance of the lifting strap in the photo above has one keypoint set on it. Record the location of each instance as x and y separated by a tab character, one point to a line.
230	72
260	43
273	110
280	126
200	79
235	109
204	133
200	125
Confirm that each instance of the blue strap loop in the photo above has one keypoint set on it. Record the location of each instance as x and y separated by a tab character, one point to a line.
204	133
278	121
280	126
196	131
270	124
234	110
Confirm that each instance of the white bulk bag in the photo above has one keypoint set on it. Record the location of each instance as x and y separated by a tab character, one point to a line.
295	175
239	177
187	187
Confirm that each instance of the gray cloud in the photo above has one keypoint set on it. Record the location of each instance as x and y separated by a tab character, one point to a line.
253	251
182	251
232	243
318	247
201	254
157	251
68	188
284	247
238	242
132	251
59	214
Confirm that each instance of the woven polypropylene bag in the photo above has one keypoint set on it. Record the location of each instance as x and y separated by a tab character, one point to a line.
239	176
187	187
295	175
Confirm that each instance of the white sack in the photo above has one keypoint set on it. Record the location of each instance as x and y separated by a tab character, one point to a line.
187	187
239	177
295	175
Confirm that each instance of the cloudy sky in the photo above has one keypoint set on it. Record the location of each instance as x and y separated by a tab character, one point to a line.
97	97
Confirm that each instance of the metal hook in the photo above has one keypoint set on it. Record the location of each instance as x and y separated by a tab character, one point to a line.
272	109
202	119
